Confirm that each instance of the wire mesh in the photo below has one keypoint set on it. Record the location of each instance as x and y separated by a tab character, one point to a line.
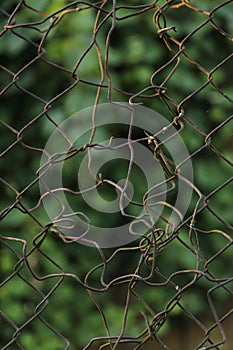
153	289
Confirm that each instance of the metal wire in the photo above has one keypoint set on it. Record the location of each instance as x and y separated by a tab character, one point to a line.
26	244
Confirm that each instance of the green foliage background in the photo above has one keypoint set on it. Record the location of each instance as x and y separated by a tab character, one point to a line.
136	51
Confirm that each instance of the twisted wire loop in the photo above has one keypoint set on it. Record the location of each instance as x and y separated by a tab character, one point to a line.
57	294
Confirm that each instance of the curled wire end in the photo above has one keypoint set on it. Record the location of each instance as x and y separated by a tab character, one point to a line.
163	31
100	179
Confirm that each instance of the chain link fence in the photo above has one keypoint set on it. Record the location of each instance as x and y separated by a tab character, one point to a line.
171	288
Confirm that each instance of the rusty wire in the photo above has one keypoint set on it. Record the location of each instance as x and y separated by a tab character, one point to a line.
145	271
